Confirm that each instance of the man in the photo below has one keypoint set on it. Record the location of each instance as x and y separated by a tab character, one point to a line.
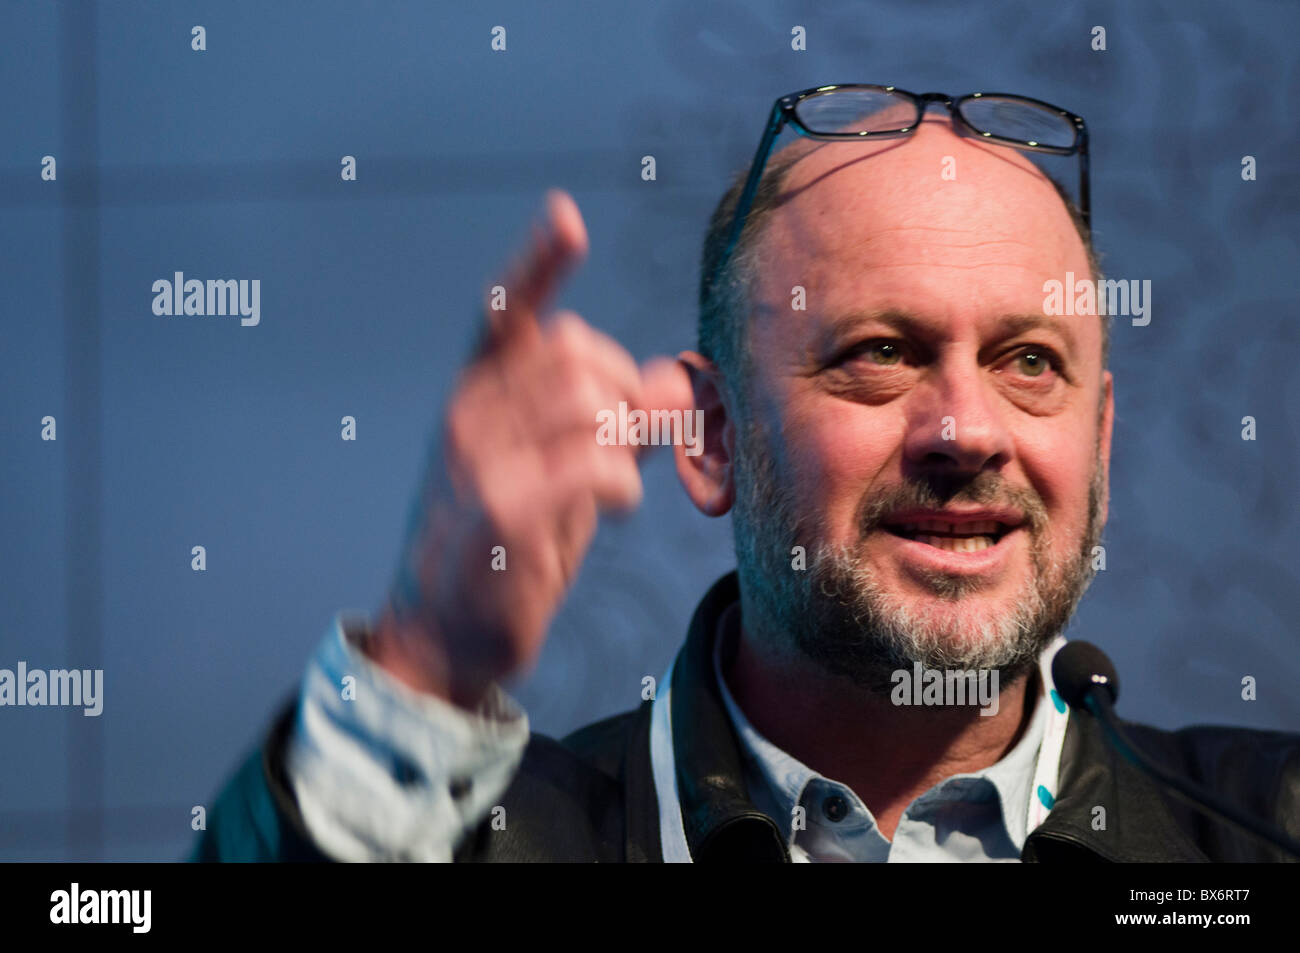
915	458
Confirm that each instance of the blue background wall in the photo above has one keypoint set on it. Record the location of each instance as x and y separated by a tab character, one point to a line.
174	432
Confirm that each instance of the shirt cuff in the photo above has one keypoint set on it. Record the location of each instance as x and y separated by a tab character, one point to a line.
385	773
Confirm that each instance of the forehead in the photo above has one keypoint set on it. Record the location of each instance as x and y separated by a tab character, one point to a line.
933	222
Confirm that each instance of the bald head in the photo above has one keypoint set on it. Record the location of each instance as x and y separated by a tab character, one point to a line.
948	201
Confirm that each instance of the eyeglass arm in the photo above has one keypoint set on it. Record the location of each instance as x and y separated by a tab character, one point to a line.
1085	180
774	123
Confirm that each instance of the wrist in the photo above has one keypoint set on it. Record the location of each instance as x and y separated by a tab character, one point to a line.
414	653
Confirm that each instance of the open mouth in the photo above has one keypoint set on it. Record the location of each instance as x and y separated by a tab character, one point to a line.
969	536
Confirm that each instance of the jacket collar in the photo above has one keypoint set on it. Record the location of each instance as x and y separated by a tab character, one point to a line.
722	823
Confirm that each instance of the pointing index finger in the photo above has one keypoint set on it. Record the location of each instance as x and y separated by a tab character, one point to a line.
557	246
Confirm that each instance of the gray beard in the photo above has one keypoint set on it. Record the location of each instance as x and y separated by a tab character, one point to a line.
835	614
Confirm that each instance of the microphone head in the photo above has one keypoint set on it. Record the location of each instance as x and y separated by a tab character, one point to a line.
1081	667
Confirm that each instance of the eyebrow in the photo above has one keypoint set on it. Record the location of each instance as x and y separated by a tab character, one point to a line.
1004	326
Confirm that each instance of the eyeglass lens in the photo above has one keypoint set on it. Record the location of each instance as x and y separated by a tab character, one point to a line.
849	110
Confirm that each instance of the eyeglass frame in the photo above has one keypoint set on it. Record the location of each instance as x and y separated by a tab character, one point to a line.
784	112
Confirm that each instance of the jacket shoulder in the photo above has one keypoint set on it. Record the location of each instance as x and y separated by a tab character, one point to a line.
1256	769
602	744
1212	752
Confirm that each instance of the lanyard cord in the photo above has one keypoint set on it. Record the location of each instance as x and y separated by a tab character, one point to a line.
1047	769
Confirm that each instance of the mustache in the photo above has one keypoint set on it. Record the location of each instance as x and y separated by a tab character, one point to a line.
937	490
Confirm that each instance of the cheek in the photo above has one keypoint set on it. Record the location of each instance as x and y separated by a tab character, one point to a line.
836	452
1060	466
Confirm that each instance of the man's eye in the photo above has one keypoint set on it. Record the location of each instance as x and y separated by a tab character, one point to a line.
882	352
1033	363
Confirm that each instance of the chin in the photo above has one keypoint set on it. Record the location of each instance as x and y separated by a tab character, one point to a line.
960	625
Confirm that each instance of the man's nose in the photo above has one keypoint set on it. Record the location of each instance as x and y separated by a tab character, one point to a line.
955	422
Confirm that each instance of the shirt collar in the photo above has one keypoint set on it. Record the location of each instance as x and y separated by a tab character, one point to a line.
784	777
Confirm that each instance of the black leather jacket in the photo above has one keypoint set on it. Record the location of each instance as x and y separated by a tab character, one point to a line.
591	797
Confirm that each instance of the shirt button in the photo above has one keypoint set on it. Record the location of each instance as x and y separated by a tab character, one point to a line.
405	772
835	808
459	787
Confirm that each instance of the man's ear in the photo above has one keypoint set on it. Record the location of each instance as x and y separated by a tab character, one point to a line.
1107	424
705	467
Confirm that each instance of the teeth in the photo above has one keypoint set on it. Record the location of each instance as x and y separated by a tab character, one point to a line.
977	528
957	544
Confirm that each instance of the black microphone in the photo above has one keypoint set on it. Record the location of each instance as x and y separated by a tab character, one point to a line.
1085	679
